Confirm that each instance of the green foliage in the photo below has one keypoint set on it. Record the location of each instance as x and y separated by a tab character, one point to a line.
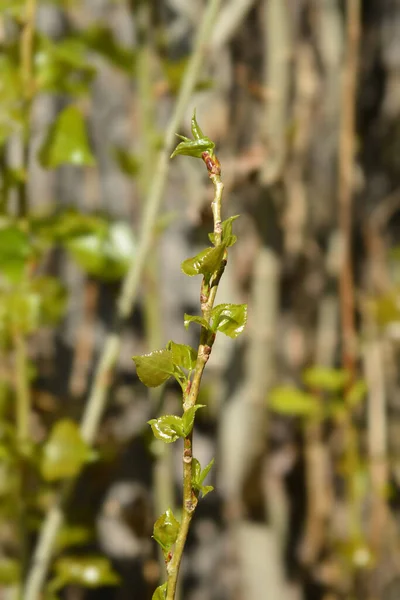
289	400
166	530
73	535
199	476
169	428
229	319
205	262
10	571
15	249
356	393
128	163
65	452
183	355
197	146
101	40
227	238
326	379
66	141
88	571
187	319
160	592
154	368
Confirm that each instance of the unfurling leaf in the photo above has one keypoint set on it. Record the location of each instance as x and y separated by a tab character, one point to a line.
195	319
90	572
160	592
167	428
183	355
230	319
289	400
188	418
227	237
66	141
205	263
166	530
201	143
154	368
65	452
199	476
326	378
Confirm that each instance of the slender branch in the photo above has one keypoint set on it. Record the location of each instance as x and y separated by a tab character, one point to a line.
208	293
98	395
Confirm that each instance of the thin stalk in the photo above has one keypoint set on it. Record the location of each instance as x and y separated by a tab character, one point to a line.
209	290
102	380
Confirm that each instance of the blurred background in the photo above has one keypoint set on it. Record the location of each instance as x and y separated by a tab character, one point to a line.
302	99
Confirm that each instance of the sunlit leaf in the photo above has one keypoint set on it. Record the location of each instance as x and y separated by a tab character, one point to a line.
227	237
166	530
195	319
160	592
288	400
66	141
199	476
154	368
326	378
105	254
205	263
183	355
167	428
65	452
188	418
90	572
230	319
197	146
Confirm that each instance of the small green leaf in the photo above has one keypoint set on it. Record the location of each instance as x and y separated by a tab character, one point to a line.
227	237
167	428
325	378
90	572
188	418
230	319
199	476
166	530
289	400
356	393
65	452
183	355
10	571
66	141
195	319
160	592
205	263
154	368
197	146
128	163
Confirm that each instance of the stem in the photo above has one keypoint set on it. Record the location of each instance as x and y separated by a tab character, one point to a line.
203	354
99	392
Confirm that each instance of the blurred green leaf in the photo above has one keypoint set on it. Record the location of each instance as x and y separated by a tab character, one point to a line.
128	163
15	249
154	368
230	319
65	452
53	299
10	571
356	393
227	237
326	378
205	263
166	530
199	476
101	40
12	115
386	308
160	593
288	400
66	141
73	535
105	254
90	572
68	224
188	418
167	428
194	319
183	355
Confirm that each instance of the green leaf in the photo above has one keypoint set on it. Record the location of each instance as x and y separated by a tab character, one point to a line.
105	255
160	592
154	368
205	263
230	319
101	40
66	141
73	535
188	418
183	355
128	163
195	319
197	146
65	452
13	8
167	428
199	476
90	572
166	530
357	392
325	378
288	400
15	249
10	571
53	298
227	237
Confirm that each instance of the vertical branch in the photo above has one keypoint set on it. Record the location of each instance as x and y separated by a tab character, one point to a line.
345	184
99	392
